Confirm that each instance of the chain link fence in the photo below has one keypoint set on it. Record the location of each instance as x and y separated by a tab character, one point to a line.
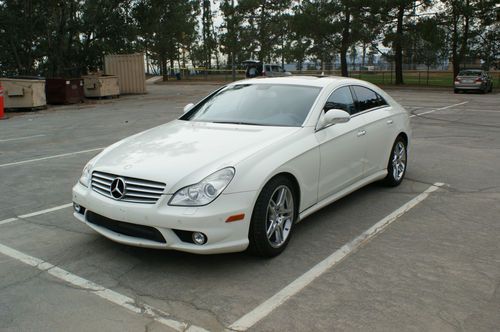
432	78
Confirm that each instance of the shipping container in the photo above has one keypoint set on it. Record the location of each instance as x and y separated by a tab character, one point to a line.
64	90
130	70
24	93
95	86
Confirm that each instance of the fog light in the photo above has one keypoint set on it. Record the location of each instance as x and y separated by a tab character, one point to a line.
199	238
78	208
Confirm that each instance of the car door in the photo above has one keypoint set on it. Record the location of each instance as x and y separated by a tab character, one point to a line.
379	128
341	147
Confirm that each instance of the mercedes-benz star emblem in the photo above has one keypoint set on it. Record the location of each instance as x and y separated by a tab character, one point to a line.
117	188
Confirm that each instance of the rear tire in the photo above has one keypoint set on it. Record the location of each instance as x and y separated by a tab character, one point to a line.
273	218
398	161
456	91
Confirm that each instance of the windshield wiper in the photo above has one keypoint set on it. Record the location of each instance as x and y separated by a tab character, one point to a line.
240	123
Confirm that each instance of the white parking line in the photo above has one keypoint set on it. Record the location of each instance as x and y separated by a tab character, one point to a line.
37	213
20	138
439	109
265	308
49	157
475	111
105	293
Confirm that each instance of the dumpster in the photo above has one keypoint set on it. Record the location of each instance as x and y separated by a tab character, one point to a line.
24	93
130	70
64	90
97	86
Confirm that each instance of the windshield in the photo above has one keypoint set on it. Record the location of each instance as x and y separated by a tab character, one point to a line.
256	104
469	73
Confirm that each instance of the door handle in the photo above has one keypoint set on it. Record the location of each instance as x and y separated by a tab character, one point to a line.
389	122
361	133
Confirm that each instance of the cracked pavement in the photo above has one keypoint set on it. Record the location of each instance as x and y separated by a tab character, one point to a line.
437	268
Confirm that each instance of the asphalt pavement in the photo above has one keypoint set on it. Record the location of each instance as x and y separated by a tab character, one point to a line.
435	267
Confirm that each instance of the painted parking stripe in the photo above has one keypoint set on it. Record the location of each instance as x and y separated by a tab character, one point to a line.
439	109
20	138
49	157
265	308
37	213
105	293
6	221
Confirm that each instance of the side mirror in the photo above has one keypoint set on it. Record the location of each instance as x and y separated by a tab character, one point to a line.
333	116
188	107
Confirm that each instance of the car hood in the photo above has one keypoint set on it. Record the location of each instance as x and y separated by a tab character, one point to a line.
180	153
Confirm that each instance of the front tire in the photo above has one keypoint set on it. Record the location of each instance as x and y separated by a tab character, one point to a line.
396	167
273	218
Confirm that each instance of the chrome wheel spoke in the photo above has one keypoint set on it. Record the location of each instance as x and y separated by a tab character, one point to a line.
281	198
271	229
278	234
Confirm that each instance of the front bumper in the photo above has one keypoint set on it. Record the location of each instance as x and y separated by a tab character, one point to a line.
210	220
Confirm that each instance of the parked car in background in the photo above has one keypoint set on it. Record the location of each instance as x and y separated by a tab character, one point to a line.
256	68
473	79
232	174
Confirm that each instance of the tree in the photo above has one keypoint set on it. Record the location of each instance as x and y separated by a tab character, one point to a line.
209	40
430	42
262	22
168	27
396	34
21	31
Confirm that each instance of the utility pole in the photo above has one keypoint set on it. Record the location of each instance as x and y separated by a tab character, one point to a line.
233	69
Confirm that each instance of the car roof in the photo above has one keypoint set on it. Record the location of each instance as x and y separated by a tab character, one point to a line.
472	70
316	81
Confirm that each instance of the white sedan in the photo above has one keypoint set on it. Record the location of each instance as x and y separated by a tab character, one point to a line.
237	170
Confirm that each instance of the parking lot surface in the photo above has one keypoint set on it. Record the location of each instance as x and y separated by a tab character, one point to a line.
435	264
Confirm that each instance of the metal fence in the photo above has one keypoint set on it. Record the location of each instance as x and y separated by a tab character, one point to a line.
379	77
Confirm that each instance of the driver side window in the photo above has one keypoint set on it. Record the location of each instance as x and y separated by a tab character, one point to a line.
341	99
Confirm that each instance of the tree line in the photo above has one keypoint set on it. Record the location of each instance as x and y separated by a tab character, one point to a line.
69	37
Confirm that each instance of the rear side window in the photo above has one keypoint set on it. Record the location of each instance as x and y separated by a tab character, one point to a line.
341	99
367	99
268	68
277	69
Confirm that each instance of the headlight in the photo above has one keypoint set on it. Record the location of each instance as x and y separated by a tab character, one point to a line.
205	191
85	178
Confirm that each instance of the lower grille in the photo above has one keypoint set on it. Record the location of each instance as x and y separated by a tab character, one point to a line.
125	228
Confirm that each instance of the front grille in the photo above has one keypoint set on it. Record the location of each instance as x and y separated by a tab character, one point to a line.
125	228
136	190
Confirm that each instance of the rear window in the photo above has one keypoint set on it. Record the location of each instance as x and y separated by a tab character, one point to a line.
470	73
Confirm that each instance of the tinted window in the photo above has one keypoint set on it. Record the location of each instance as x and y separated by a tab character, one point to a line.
259	104
268	68
277	69
366	99
341	99
472	73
